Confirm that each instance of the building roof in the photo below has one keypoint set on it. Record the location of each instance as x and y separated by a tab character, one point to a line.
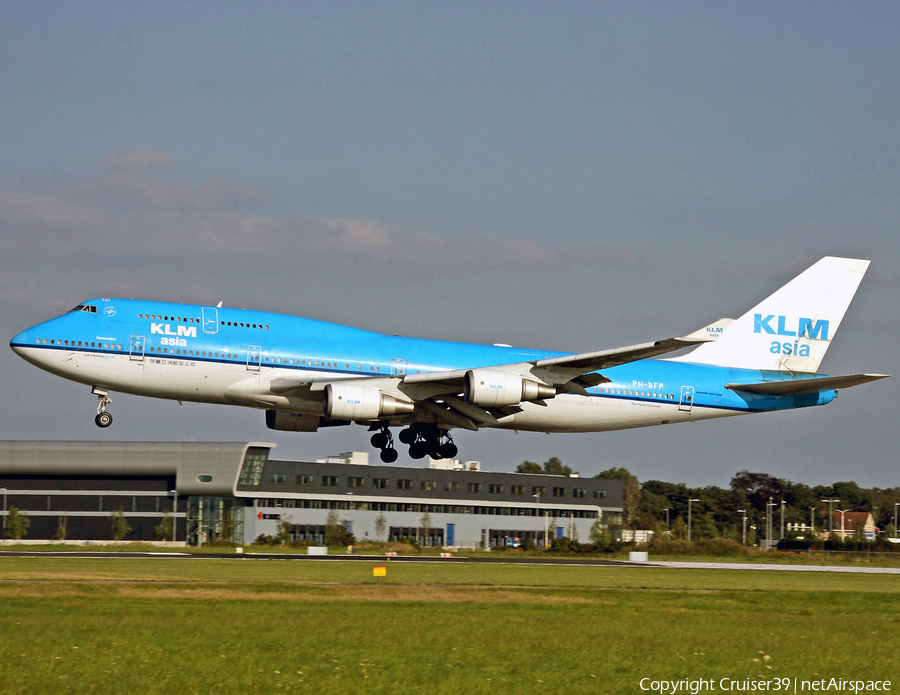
199	468
852	520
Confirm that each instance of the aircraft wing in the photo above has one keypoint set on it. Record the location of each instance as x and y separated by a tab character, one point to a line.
577	372
440	393
795	387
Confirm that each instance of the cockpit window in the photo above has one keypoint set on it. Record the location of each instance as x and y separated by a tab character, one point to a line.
90	308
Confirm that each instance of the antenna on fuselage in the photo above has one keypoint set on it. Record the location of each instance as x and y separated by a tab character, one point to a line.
219	305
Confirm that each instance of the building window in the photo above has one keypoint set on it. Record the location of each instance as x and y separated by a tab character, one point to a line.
429	485
251	469
474	487
559	492
304	480
330	480
495	489
353	481
277	478
517	489
599	494
380	483
404	484
451	487
579	492
538	490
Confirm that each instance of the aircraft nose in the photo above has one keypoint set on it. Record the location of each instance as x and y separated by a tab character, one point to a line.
19	342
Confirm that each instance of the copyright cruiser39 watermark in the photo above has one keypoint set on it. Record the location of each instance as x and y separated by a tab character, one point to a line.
690	686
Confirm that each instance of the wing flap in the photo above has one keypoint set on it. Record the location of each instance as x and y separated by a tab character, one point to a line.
796	387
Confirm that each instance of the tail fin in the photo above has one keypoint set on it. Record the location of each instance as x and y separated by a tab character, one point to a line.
791	329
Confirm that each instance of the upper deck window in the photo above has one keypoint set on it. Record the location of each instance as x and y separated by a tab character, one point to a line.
90	308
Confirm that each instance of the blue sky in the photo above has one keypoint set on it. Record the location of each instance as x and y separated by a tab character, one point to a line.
573	176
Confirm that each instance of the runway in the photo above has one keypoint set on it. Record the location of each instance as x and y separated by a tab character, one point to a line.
510	560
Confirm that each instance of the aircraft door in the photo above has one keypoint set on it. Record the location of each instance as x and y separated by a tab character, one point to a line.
210	319
687	399
136	353
398	367
254	357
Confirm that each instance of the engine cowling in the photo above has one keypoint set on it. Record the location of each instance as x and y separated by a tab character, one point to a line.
353	402
491	388
292	422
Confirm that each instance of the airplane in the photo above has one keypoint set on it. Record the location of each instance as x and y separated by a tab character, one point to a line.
307	374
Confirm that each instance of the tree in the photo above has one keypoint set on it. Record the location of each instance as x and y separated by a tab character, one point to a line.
425	525
529	467
228	524
62	529
163	530
119	527
758	487
17	524
336	532
599	535
552	466
631	492
679	529
285	528
380	526
849	493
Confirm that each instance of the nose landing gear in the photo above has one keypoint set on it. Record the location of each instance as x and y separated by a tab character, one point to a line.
103	418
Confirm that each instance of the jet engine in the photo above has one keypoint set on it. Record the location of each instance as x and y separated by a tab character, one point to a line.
292	422
352	402
490	388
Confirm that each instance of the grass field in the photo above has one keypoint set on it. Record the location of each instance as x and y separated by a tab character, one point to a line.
183	626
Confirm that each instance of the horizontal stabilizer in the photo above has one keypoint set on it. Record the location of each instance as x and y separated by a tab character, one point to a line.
795	387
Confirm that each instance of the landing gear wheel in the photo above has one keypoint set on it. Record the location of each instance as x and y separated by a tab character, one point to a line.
407	436
389	455
418	450
448	450
379	440
103	418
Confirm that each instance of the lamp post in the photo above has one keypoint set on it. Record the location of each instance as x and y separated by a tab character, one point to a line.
769	506
842	512
4	509
812	521
667	518
782	520
896	504
744	532
174	512
831	513
689	518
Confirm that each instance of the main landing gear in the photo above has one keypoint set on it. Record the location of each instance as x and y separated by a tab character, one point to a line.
103	418
382	439
423	440
428	441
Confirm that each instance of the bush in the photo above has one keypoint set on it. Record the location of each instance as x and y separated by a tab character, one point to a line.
720	546
708	546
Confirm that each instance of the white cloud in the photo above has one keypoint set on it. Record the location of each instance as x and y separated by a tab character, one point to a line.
128	219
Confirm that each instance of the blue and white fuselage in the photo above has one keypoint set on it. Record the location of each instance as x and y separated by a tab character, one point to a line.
307	373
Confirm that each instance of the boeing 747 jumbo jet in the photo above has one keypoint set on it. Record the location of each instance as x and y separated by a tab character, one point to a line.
308	374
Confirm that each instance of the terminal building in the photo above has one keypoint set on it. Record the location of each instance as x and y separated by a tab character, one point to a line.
237	492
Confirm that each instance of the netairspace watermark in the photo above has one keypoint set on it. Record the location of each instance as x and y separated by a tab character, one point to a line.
688	686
